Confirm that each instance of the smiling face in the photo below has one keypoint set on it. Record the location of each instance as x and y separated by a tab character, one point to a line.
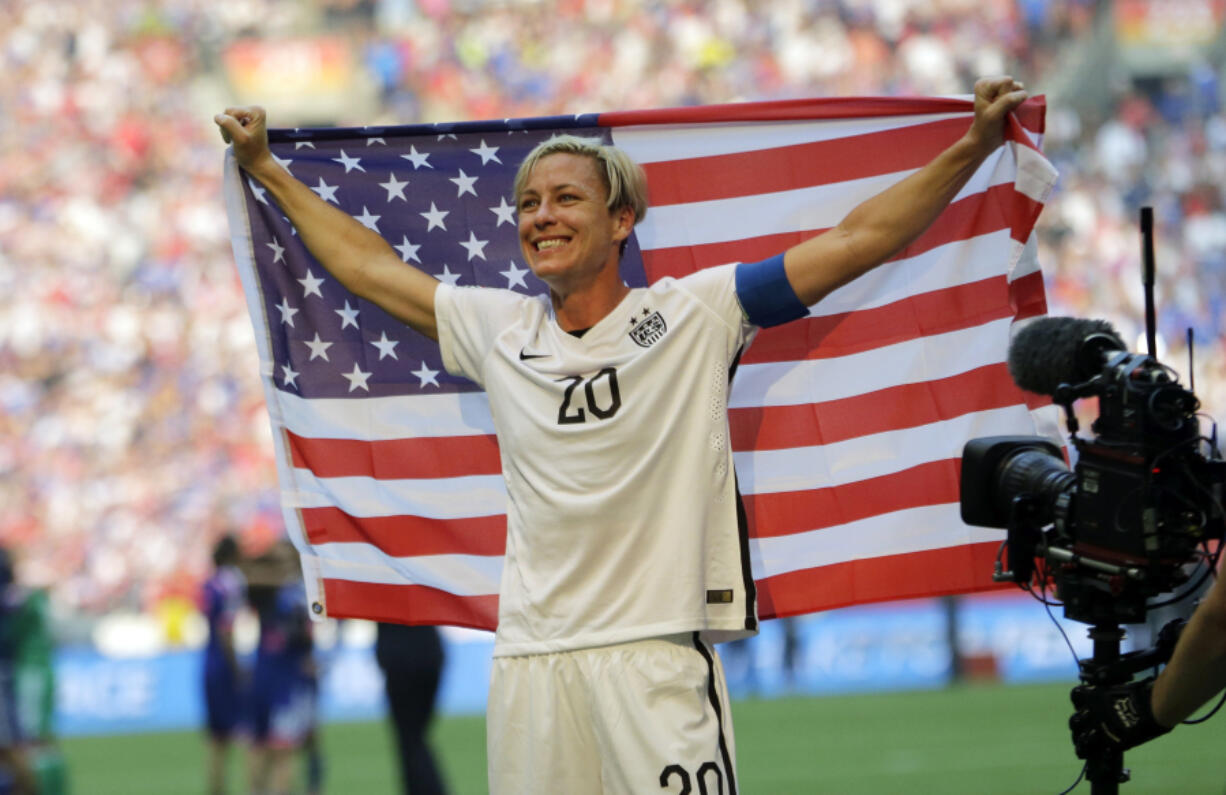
568	235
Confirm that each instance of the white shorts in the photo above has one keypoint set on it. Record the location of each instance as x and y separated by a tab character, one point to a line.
647	716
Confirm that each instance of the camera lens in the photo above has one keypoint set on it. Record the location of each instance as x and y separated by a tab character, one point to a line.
1035	473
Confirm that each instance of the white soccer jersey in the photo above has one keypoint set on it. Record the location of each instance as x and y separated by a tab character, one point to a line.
622	520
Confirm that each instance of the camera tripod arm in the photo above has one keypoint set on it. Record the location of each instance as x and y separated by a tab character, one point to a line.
1133	662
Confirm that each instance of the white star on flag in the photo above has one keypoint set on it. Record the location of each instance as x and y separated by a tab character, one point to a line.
368	220
426	375
418	159
301	144
319	348
504	211
282	161
475	247
486	153
350	163
386	347
349	316
326	192
394	187
289	377
435	218
310	285
287	312
357	378
448	277
373	141
278	250
407	250
257	190
515	276
465	184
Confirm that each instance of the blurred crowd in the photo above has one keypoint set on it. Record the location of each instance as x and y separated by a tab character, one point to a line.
132	425
1162	147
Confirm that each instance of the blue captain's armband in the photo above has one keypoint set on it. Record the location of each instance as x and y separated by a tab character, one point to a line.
765	293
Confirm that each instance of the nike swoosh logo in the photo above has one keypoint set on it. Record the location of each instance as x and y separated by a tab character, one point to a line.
523	357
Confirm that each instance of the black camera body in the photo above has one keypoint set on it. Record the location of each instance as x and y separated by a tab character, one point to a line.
1117	528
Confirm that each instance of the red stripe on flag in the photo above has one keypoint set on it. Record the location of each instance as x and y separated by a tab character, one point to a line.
811	109
394	459
678	261
789	512
800	166
890	409
951	570
408	604
1033	114
937	312
405	536
1027	296
979	214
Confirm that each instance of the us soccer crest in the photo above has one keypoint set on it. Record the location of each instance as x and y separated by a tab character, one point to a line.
649	330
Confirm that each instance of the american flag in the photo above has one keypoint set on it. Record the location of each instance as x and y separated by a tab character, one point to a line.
847	425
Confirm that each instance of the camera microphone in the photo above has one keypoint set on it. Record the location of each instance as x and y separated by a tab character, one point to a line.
1050	351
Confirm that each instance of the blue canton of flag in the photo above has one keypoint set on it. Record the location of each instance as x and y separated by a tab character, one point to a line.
441	195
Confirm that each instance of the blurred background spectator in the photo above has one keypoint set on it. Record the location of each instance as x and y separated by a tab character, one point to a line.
223	677
132	426
282	701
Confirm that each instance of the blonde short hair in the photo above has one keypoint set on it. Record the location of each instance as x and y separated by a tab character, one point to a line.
623	178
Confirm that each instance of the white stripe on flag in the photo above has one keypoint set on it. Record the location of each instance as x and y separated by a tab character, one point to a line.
463	575
910	362
433	498
452	414
955	263
1026	258
660	142
871	456
911	530
800	210
1036	176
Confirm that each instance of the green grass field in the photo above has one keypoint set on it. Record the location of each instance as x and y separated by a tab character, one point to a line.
976	739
